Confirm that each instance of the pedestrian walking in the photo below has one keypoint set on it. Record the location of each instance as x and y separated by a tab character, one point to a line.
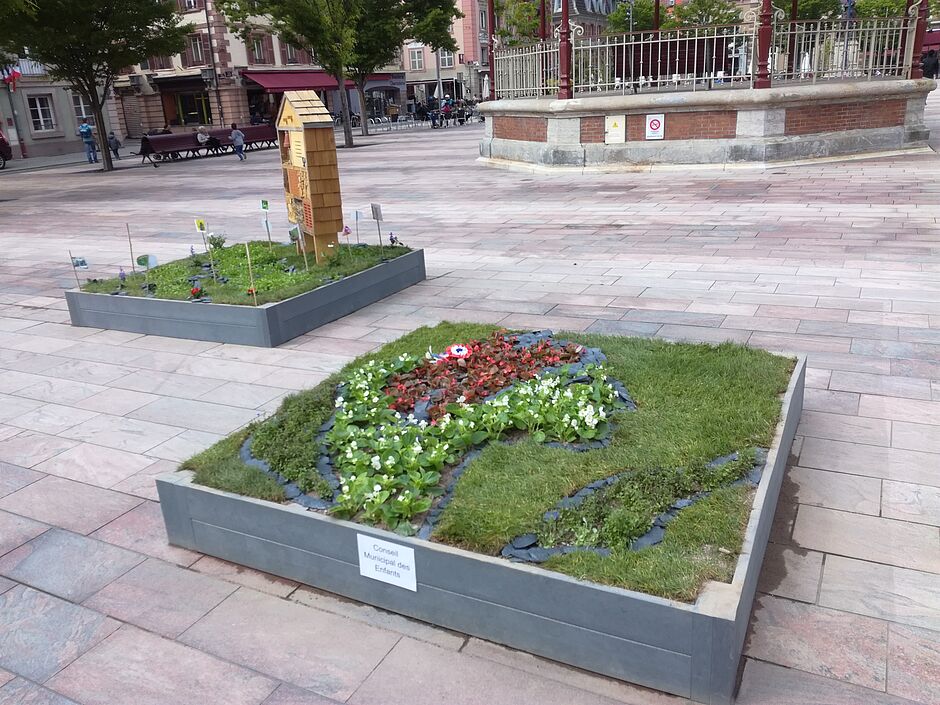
931	64
87	133
238	142
115	144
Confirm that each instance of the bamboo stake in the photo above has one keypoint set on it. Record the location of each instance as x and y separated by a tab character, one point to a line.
251	277
74	271
131	246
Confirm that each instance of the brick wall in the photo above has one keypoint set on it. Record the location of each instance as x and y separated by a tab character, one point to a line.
527	129
592	130
844	116
716	124
711	125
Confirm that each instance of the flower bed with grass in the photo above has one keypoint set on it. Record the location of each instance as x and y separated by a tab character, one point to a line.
627	462
278	272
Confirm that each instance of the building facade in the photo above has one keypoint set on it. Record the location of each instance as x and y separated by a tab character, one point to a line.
220	78
462	72
40	117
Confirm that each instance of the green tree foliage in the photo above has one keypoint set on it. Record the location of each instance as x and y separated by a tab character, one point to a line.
518	20
697	13
349	38
86	43
811	9
880	8
618	21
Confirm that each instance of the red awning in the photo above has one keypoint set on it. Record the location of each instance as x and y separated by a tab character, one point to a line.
280	81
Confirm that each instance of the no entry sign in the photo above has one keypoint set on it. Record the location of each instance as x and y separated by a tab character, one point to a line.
655	127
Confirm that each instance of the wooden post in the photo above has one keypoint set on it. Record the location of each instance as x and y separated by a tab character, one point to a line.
491	35
564	49
920	33
656	15
543	21
764	38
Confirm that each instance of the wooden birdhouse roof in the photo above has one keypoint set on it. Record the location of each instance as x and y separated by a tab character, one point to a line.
301	109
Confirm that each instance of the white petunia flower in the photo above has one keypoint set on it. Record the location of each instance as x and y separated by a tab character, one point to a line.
376	462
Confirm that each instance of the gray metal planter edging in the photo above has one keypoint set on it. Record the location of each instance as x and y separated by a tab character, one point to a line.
267	325
690	650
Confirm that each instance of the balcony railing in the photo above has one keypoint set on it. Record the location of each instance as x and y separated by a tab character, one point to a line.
28	67
706	58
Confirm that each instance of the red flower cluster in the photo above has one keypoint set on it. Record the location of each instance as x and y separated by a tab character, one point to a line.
195	292
487	367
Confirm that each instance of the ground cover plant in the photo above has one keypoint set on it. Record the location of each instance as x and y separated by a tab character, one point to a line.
404	421
278	270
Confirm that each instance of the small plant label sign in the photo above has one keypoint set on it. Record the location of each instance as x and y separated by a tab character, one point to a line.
264	205
389	562
201	226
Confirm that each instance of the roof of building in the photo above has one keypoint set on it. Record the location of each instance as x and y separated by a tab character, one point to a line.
303	108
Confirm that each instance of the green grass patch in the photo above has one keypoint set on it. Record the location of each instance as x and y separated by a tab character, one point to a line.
696	402
270	267
220	467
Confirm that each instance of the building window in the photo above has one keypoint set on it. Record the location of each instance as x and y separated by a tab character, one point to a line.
82	109
41	112
290	54
257	50
447	59
483	19
145	65
196	55
416	57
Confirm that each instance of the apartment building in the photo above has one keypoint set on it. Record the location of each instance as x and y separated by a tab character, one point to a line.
220	78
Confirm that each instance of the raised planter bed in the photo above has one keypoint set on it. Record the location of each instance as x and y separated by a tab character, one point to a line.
267	325
691	650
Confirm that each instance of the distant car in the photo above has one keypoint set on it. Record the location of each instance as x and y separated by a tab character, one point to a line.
6	151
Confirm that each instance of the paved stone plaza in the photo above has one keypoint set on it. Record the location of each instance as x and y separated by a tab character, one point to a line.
839	261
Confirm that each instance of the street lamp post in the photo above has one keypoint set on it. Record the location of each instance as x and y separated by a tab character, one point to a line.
564	47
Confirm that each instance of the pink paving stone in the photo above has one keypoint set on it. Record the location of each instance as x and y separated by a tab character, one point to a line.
289	695
16	530
160	597
914	663
254	579
22	692
70	505
5	677
415	673
68	565
39	633
817	640
142	530
316	650
768	684
133	666
13	477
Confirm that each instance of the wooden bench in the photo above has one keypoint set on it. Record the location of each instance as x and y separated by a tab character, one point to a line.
184	145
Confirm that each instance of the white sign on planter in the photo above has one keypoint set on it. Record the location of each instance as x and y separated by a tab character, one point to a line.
615	129
655	127
389	562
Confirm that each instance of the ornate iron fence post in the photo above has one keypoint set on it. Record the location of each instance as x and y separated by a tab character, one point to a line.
920	32
564	54
491	31
764	38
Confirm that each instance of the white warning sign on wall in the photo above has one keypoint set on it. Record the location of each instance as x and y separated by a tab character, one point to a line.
655	127
615	129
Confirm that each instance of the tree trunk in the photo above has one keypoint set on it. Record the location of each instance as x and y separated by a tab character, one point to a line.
347	114
103	147
364	119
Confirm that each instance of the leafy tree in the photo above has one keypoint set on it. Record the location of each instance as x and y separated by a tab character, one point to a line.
518	20
811	9
349	38
86	43
697	13
618	21
880	8
380	33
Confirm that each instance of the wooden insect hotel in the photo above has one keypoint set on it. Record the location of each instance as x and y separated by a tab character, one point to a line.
311	173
